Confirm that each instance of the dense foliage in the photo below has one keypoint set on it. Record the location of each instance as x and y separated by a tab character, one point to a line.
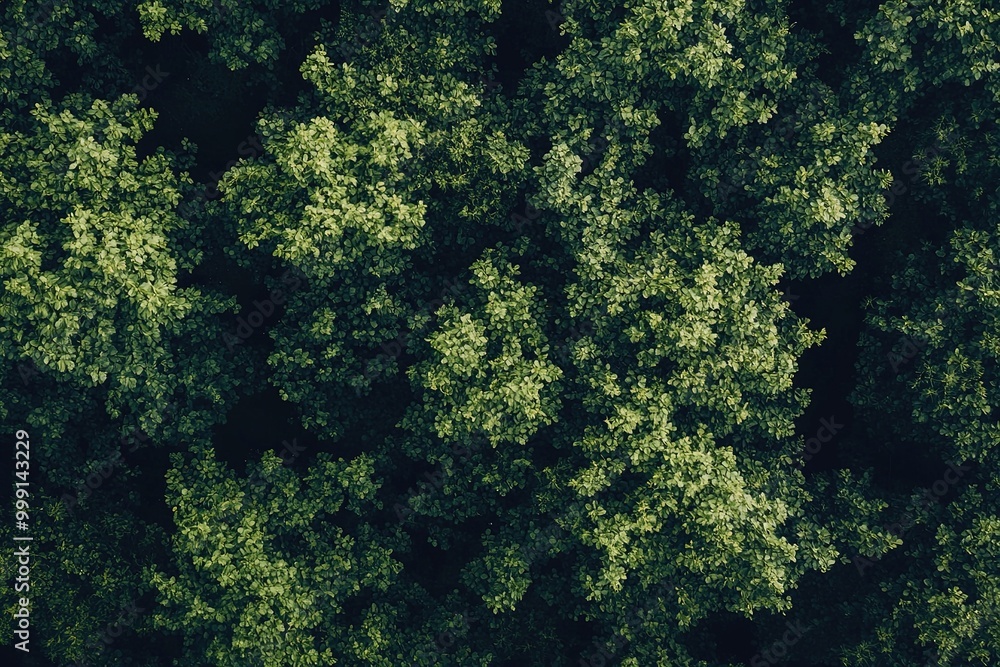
460	332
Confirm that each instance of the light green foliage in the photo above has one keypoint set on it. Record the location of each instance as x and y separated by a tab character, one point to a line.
265	566
682	447
663	461
542	324
948	596
91	252
394	164
923	45
688	370
241	32
94	346
768	144
927	388
489	371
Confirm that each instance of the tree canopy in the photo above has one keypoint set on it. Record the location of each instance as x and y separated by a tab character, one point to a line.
476	333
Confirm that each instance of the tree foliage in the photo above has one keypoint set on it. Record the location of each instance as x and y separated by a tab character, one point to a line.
526	306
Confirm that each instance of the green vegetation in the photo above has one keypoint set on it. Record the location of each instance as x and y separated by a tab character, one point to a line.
460	332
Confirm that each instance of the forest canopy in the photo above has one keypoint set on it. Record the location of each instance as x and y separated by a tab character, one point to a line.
482	333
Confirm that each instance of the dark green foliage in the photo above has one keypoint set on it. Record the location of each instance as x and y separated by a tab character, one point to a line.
511	283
